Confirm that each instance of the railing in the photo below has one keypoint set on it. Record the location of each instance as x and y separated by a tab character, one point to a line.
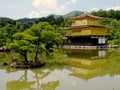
83	47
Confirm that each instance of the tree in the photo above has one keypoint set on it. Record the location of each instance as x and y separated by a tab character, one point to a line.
2	38
114	14
114	32
6	21
59	20
32	38
50	38
8	31
51	20
66	23
36	31
22	43
6	34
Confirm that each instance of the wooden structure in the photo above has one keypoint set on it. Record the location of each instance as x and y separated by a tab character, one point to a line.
85	31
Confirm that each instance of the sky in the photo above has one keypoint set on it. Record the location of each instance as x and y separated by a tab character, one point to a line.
16	9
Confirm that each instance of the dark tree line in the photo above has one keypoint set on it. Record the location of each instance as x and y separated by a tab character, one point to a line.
9	27
58	21
114	14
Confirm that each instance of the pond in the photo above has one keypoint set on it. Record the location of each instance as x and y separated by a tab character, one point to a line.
66	70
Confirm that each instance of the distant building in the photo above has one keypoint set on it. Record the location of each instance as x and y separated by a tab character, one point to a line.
86	31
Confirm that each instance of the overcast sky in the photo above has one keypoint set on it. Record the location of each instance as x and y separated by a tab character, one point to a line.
16	9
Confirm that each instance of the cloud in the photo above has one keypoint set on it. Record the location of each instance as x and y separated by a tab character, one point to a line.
113	8
45	3
94	9
33	14
37	3
46	7
73	1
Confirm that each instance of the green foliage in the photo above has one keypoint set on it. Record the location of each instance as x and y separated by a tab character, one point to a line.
66	23
6	21
59	20
56	22
114	32
45	34
114	14
36	29
2	39
50	39
40	36
6	34
9	30
21	42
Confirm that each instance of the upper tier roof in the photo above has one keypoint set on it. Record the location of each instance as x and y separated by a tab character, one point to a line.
85	26
85	15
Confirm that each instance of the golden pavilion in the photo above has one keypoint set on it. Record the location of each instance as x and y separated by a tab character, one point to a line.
86	31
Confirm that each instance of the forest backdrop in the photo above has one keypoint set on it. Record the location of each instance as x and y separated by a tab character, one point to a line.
8	27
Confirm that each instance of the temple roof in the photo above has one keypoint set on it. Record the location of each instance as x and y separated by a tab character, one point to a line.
79	27
85	15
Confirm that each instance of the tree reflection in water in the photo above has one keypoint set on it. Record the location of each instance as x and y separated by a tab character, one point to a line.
24	83
21	83
44	85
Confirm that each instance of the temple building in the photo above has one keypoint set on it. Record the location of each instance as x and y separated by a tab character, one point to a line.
85	31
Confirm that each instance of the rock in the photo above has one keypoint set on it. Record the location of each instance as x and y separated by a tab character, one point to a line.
13	64
5	64
23	64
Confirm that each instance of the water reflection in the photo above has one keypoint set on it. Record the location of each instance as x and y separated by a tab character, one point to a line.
86	54
81	70
21	83
88	63
91	64
33	80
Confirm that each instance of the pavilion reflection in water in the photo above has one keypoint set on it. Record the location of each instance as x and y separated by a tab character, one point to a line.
86	64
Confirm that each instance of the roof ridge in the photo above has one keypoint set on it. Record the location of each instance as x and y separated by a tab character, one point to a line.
84	15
